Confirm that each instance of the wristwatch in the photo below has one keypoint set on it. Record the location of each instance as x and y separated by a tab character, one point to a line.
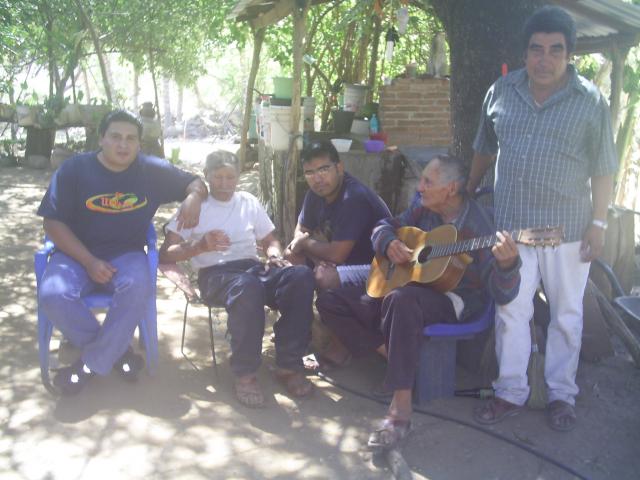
599	223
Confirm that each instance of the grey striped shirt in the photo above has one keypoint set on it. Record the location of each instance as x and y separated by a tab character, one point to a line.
547	154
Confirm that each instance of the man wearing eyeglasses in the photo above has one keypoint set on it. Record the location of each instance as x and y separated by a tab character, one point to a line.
337	217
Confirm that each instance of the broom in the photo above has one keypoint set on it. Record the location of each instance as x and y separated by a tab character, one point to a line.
535	373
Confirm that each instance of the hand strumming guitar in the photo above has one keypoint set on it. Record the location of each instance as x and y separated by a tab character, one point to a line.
398	252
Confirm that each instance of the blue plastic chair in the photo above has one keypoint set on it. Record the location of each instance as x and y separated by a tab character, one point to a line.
436	374
147	327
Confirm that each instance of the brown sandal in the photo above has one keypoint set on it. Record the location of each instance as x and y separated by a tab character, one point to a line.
561	416
248	392
495	410
296	384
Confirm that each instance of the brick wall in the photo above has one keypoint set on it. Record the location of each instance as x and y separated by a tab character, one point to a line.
416	111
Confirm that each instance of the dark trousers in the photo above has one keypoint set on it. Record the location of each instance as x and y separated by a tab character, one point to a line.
244	287
363	324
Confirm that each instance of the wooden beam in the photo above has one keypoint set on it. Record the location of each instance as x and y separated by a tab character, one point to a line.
258	39
604	44
289	212
277	13
598	17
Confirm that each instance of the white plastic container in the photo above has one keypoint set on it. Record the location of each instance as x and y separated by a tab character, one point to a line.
279	120
354	96
342	144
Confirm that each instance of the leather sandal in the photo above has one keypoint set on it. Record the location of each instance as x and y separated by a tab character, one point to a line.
296	384
389	434
495	410
248	392
561	416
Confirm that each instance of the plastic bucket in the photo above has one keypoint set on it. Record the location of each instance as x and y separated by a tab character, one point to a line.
279	120
283	87
354	97
342	121
308	113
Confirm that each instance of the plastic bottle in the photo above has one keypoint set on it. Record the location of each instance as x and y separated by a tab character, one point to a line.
374	126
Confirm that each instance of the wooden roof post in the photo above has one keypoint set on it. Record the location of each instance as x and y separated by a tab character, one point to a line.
300	11
258	38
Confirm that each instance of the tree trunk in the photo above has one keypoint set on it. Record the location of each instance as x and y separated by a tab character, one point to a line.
152	69
166	102
85	79
179	104
96	44
373	62
482	36
618	57
293	159
136	88
623	144
258	38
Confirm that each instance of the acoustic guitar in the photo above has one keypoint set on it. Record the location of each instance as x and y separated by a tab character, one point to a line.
439	260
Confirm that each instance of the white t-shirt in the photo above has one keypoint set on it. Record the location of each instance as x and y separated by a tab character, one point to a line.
242	218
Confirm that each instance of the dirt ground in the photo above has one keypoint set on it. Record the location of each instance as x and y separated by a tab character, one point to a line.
184	424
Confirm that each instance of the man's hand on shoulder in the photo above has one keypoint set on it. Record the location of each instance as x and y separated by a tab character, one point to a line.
505	251
398	252
189	211
592	243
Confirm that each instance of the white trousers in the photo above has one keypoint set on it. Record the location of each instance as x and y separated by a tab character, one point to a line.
564	277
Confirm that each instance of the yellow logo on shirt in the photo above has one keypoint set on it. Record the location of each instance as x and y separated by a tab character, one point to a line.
115	202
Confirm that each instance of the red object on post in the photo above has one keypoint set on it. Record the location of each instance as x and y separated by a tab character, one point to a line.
505	69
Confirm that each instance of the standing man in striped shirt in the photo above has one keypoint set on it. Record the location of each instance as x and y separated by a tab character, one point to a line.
551	131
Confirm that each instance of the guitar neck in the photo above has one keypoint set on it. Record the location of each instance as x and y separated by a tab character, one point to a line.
469	245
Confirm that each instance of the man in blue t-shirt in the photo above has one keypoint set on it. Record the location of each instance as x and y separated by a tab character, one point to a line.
97	210
337	217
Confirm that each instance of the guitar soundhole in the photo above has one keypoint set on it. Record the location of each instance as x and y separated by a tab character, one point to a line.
423	256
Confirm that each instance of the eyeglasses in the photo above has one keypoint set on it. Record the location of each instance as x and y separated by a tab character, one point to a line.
322	171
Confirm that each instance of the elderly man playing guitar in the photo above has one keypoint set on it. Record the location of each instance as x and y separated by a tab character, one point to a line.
393	324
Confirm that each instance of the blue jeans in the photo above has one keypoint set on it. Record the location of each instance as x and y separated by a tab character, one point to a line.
65	281
243	287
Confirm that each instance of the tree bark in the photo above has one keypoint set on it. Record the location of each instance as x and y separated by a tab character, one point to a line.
258	39
291	166
166	102
618	57
136	88
152	69
96	44
482	36
373	62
